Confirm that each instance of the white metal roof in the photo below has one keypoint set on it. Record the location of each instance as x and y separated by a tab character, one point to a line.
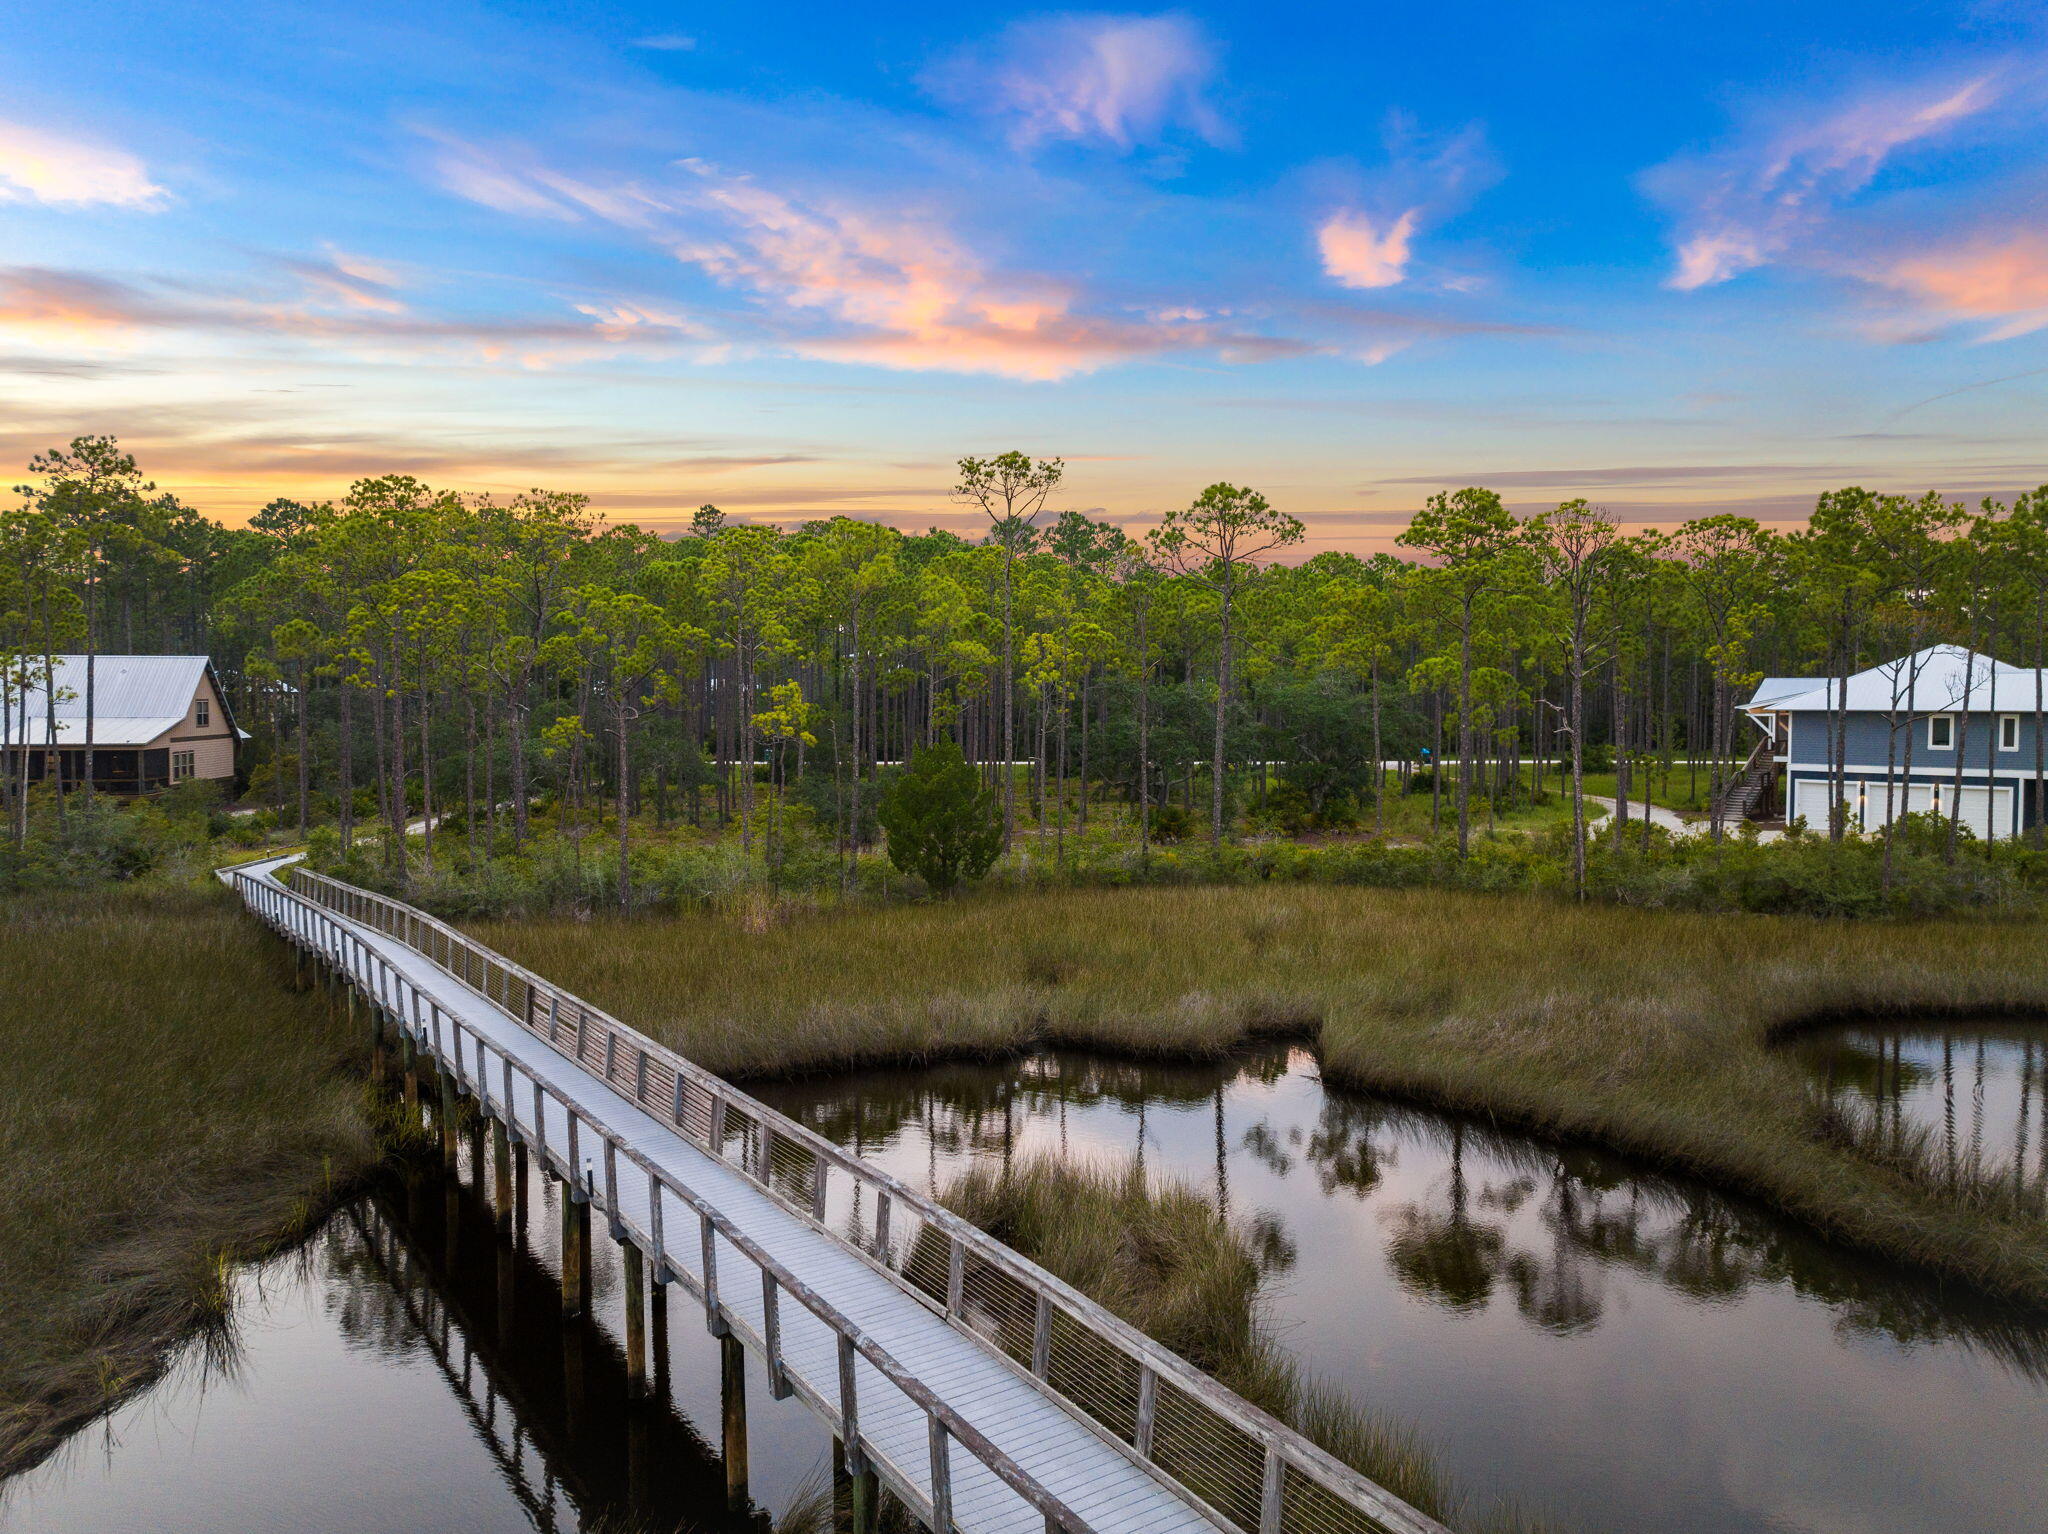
1937	679
136	699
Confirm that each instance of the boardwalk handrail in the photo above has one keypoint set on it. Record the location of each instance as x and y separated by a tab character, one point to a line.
389	990
1236	1464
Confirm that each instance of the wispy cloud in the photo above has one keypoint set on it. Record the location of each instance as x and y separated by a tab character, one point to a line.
46	306
1751	201
1122	80
2000	277
37	165
852	281
356	281
667	42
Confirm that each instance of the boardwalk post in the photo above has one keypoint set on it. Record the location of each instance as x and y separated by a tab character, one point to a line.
521	1199
379	1049
942	1480
636	1322
657	1304
732	1400
866	1497
771	1337
409	1058
575	1250
501	1174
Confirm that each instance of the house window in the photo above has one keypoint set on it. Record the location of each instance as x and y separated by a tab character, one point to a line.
1941	732
181	766
204	716
2008	732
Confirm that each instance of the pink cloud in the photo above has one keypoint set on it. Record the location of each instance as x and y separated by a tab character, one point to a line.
1745	205
1127	80
914	296
847	282
355	281
1359	254
1998	277
40	166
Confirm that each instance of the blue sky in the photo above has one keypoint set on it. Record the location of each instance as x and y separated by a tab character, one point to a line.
797	260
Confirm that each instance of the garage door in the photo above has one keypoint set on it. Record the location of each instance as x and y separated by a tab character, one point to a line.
1810	799
1986	811
1884	802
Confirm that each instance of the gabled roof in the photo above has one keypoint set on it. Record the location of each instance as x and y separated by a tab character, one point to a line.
136	698
1939	679
1773	688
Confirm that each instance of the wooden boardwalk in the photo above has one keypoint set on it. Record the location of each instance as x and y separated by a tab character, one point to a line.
983	1392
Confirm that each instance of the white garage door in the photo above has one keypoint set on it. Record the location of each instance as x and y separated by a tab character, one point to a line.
1884	802
1810	800
1986	811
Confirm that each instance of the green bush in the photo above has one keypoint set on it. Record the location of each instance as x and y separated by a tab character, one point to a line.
943	825
1170	822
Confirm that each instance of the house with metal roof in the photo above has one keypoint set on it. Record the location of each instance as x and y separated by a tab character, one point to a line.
1943	730
156	720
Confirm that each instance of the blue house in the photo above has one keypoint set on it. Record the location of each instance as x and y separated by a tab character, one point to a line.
1939	730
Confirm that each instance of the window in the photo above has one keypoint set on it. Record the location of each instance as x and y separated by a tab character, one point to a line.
204	716
2008	732
181	766
1941	732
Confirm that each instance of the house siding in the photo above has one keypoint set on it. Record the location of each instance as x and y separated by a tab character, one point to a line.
1872	742
212	744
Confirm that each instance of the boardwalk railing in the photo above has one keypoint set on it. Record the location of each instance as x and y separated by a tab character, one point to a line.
1240	1467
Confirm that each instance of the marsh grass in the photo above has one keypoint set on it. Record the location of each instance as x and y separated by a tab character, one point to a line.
1649	1032
1160	1256
170	1109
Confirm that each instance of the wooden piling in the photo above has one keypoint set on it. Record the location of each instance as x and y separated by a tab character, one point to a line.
409	1054
732	1400
864	1496
501	1175
380	1049
448	1136
657	1323
636	1321
575	1252
521	1197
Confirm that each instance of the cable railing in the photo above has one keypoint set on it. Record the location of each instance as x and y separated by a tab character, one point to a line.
563	1153
1238	1466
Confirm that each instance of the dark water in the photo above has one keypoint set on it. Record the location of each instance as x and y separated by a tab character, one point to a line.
386	1379
1975	1091
1620	1350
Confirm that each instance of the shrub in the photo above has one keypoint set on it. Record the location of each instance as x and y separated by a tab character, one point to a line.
1170	822
943	825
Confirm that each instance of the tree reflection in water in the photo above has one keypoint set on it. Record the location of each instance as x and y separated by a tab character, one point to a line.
1503	1215
1970	1098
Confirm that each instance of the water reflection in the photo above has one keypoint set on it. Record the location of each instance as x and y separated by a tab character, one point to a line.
1974	1093
1631	1350
410	1369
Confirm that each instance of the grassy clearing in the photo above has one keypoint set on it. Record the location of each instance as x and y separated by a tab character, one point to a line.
170	1107
1163	1259
1648	1032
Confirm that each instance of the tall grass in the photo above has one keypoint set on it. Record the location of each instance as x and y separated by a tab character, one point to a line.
169	1106
1160	1257
1651	1032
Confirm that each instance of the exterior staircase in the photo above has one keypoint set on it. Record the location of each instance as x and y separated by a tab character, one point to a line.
1748	794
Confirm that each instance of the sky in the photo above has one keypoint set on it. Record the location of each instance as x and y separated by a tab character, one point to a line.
796	260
